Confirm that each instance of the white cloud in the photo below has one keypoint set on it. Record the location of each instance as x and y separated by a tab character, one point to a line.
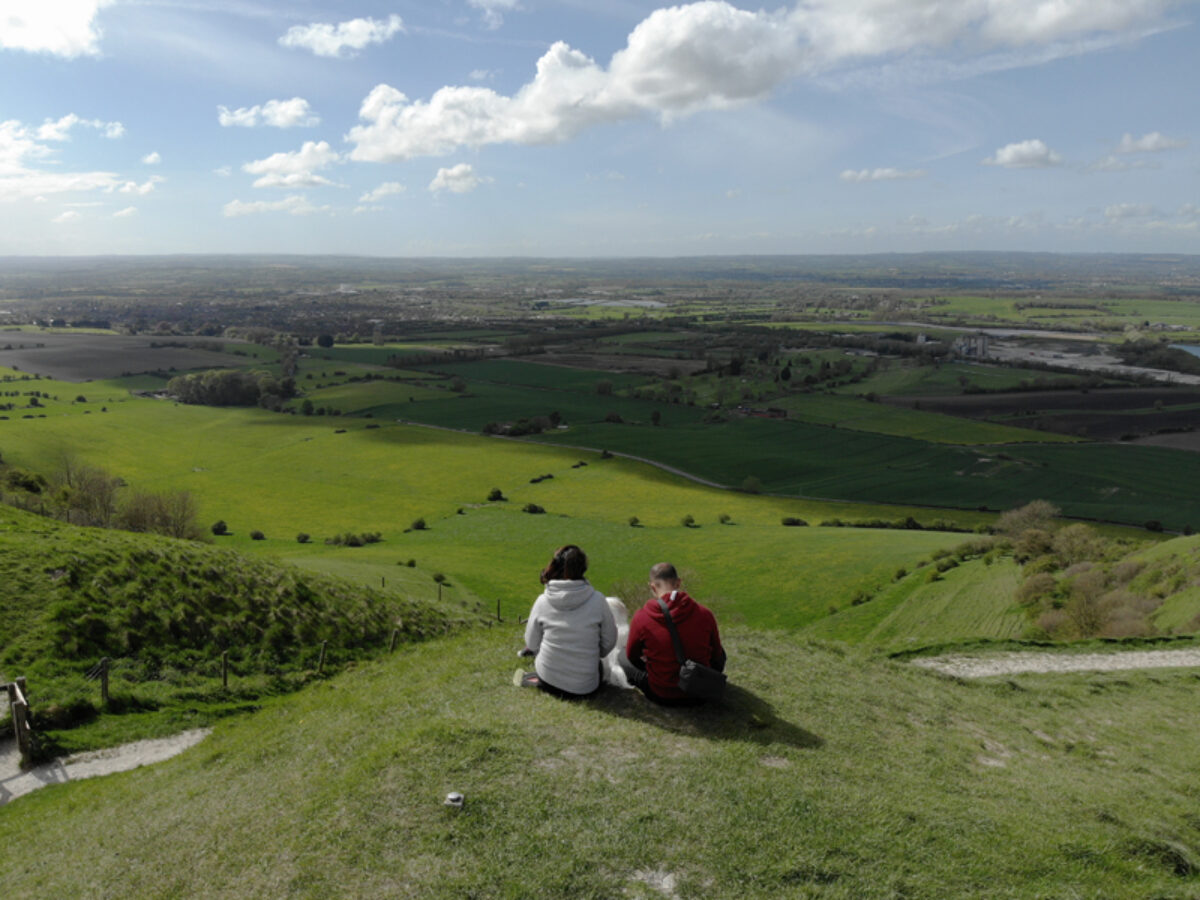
152	159
384	190
1129	211
295	204
23	147
481	75
294	169
276	113
359	210
679	60
1154	142
132	187
60	129
494	10
125	213
1189	211
712	55
325	39
887	174
58	27
223	171
460	179
1031	154
70	215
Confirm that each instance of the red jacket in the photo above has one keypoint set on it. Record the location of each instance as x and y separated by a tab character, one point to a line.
650	645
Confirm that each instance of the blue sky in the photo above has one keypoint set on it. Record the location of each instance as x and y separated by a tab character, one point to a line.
581	128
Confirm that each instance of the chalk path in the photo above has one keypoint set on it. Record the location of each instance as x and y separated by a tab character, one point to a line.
1018	663
14	782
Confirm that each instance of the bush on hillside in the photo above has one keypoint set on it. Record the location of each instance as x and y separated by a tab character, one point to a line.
496	496
793	521
219	528
303	538
257	535
533	509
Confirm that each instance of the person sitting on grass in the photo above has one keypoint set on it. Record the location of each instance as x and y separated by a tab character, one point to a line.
649	659
570	628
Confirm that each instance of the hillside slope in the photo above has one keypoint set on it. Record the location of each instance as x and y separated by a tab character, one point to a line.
822	776
165	610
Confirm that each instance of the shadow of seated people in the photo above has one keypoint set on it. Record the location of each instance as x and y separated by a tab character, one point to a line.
741	715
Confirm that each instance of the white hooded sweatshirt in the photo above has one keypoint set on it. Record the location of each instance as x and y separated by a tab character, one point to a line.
570	628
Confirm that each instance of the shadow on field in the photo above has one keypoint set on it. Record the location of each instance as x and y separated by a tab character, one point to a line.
740	716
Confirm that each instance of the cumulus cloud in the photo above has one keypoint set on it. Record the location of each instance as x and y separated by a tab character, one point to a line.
60	129
343	39
1154	142
223	171
384	190
125	213
887	174
679	60
294	169
24	153
71	215
713	55
494	10
1031	154
293	204
152	159
132	187
62	28
294	113
460	179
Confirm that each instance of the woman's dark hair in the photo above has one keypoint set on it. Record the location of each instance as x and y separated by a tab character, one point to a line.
569	564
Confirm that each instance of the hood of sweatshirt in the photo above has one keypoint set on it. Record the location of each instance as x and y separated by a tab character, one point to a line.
568	595
678	602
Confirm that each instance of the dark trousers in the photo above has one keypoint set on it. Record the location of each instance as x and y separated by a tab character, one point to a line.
640	679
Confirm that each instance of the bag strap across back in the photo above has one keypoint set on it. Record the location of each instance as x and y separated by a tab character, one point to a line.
679	654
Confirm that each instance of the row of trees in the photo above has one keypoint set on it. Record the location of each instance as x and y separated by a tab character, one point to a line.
88	495
227	387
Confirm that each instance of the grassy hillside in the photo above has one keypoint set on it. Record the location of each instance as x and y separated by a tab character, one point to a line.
165	610
822	776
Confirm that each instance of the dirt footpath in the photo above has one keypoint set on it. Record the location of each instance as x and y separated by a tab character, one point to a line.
1018	663
14	782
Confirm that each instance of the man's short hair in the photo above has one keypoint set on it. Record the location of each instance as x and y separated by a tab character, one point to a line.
663	572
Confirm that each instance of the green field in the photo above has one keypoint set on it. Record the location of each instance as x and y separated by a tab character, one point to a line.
861	415
286	474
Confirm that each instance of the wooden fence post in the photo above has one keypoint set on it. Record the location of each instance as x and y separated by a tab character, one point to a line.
321	662
395	637
498	619
224	670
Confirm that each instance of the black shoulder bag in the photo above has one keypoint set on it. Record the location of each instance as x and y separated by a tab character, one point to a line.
695	679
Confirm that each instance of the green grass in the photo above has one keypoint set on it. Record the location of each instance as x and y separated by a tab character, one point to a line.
1126	484
968	601
862	415
823	775
286	474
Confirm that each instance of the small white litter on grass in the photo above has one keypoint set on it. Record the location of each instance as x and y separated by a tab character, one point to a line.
659	880
15	782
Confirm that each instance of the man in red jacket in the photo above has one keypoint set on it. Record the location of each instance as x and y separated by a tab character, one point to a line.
649	660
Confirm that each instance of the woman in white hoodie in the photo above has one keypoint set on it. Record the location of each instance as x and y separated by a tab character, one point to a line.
570	629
